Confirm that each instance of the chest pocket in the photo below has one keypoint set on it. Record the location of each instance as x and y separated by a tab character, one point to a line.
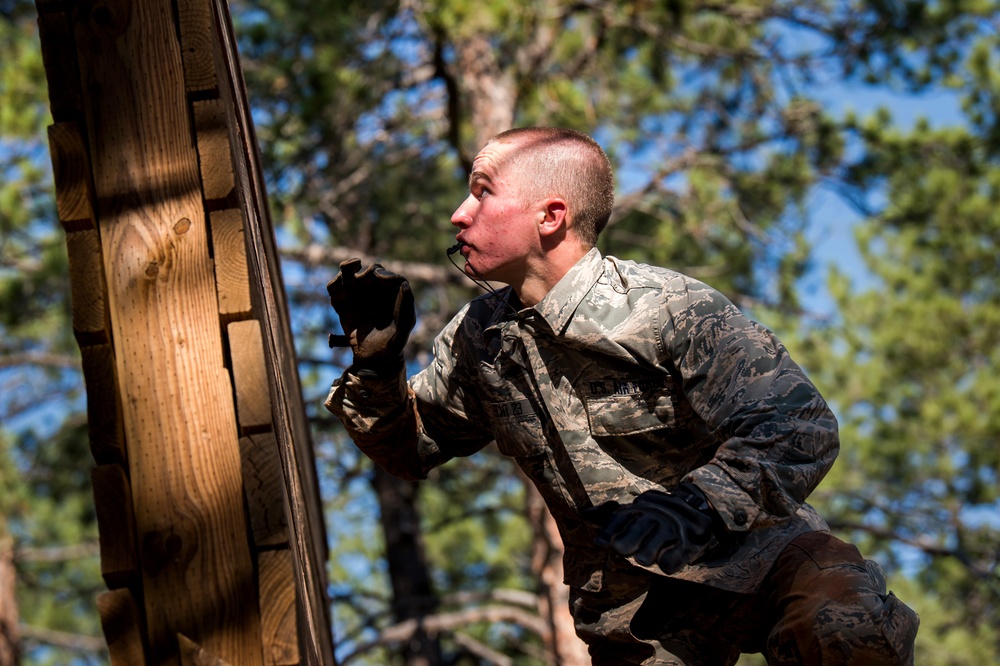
628	407
516	425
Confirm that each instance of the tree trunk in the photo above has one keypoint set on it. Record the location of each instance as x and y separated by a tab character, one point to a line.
562	644
9	634
413	596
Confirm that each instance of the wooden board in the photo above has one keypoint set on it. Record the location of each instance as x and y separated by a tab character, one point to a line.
121	620
116	524
230	263
71	173
253	399
307	530
87	290
277	606
265	490
177	408
213	149
104	409
194	18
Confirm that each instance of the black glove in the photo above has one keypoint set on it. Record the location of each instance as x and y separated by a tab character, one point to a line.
668	529
376	310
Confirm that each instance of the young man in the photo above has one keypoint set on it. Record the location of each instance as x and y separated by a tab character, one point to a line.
673	439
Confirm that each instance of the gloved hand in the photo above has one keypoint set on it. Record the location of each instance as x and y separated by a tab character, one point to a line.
658	527
375	307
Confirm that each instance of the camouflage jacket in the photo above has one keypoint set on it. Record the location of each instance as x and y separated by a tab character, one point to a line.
624	378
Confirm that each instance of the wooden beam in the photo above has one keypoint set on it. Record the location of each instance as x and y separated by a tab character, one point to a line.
177	406
265	489
253	399
86	273
60	61
213	150
115	522
104	422
122	624
277	608
194	18
230	264
71	174
193	654
307	530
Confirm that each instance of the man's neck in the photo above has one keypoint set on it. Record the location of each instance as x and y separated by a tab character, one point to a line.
546	274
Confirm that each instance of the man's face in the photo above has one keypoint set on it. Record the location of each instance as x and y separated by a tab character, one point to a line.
499	232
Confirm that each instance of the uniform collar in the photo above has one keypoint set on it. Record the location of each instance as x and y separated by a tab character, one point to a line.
558	306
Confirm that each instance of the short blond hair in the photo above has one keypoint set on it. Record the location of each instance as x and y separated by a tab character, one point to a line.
555	161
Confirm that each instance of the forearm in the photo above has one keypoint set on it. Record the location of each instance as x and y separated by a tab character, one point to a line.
379	416
764	471
777	436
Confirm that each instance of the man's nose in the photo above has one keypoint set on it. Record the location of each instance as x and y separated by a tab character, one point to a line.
462	217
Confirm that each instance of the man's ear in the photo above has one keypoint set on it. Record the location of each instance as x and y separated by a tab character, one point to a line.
554	216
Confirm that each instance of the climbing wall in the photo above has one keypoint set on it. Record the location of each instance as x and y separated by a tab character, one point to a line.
212	541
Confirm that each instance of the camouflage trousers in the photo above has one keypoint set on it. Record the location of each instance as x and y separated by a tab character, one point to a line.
821	603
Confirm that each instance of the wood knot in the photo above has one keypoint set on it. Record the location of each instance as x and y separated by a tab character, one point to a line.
159	549
152	270
182	226
110	16
102	16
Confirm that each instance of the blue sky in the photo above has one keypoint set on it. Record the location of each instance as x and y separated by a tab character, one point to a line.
832	231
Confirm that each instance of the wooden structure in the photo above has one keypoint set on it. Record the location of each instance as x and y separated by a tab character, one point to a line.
212	541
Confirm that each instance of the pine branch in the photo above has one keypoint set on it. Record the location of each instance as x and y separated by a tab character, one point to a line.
51	554
62	639
45	359
924	545
449	622
315	256
482	650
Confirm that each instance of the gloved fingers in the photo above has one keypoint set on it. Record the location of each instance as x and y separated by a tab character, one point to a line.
377	276
648	544
633	532
671	560
618	523
601	514
684	551
676	505
405	311
350	267
339	287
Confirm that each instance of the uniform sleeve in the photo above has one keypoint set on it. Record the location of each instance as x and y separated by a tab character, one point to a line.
408	428
778	435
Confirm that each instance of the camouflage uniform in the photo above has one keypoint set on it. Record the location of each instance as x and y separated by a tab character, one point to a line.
624	378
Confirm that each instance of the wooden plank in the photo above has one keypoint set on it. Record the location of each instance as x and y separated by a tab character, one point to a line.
60	61
213	149
122	623
104	424
71	174
87	287
230	263
193	654
194	19
307	530
264	489
253	400
115	523
277	608
177	403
